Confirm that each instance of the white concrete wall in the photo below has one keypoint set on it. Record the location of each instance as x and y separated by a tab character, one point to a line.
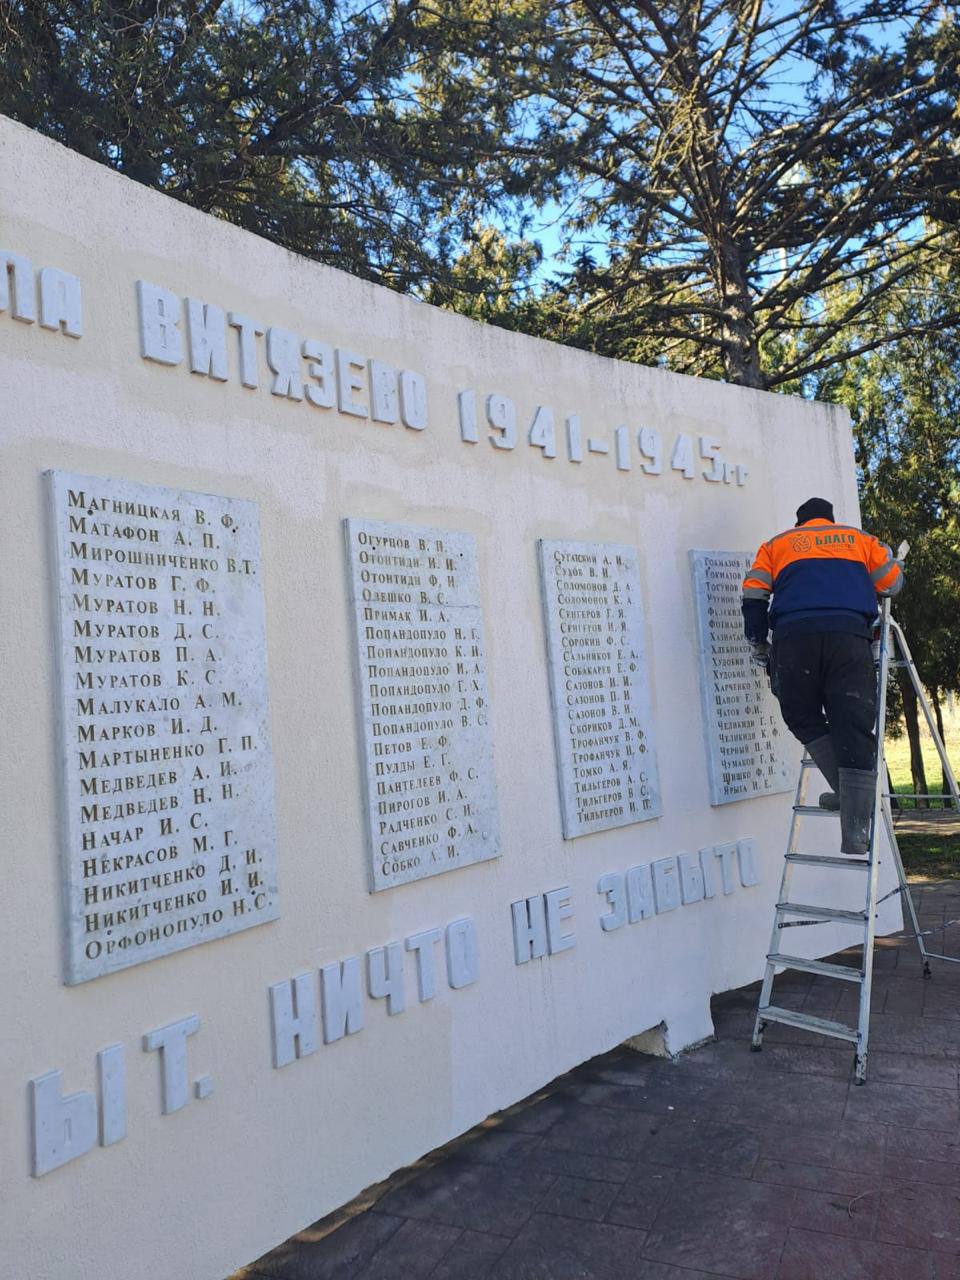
204	1190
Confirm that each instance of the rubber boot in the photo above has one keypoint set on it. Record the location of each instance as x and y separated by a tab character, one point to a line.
824	757
857	791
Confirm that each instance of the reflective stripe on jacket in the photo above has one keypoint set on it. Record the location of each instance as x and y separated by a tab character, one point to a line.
817	571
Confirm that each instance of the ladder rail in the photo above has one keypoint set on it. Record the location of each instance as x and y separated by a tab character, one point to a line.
873	877
904	886
928	715
894	652
786	877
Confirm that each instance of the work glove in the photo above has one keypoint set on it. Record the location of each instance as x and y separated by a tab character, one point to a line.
760	654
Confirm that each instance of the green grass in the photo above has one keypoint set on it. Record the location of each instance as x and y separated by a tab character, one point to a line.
934	853
897	751
931	855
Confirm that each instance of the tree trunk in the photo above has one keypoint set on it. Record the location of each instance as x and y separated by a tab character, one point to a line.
917	771
938	714
741	353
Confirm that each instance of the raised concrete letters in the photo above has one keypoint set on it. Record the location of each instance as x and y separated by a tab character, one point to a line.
168	782
63	1127
112	1070
16	287
60	303
171	1043
421	665
749	752
463	957
293	1004
341	985
655	888
293	1013
158	312
598	680
538	925
385	979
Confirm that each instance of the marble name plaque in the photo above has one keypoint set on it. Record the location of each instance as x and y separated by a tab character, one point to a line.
424	703
168	824
749	751
606	755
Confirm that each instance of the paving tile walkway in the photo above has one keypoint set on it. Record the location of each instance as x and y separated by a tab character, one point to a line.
770	1166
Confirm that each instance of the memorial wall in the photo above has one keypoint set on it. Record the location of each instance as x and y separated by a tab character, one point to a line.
379	739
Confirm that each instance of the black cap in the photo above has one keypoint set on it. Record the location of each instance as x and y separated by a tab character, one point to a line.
815	509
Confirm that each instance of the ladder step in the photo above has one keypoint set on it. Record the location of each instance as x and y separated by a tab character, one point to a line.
823	1027
821	913
842	971
816	860
814	810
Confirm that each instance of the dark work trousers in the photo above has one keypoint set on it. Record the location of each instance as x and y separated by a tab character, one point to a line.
826	683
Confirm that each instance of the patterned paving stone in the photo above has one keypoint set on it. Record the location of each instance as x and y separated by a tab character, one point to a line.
640	1200
577	1164
903	1068
497	1146
724	1227
339	1256
698	1144
909	1169
579	1198
472	1257
686	1095
814	1060
732	1059
808	1255
626	1068
814	1103
897	1034
903	995
837	1214
550	1248
811	1177
412	1252
694	1195
490	1198
920	1144
941	1037
538	1116
925	1216
912	1106
599	1131
942	1003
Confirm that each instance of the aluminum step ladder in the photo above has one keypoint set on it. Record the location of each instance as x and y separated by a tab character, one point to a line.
789	914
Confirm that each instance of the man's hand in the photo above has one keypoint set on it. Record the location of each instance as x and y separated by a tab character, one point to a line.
760	654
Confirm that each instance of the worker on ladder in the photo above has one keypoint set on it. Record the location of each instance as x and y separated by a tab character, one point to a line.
824	579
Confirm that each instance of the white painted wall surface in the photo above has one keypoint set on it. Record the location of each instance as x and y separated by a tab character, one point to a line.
207	1188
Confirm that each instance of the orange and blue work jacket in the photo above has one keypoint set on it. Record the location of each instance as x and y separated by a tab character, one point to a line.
822	577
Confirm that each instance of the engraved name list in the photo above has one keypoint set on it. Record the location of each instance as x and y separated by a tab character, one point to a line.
749	753
168	783
424	704
598	679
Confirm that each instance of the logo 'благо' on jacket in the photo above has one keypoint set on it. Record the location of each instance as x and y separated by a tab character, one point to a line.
803	542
